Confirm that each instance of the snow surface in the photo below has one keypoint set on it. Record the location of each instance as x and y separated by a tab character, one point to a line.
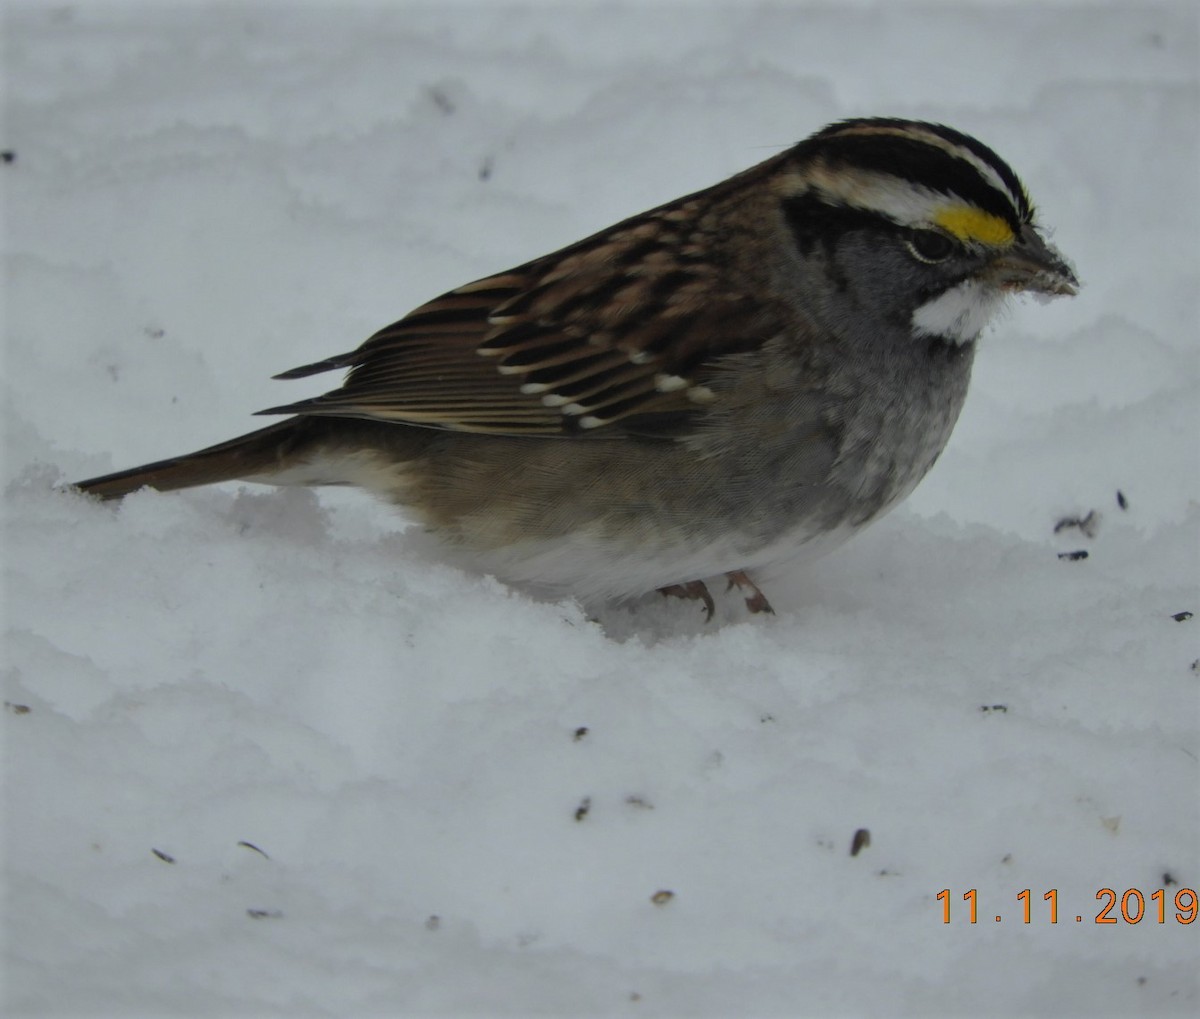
276	763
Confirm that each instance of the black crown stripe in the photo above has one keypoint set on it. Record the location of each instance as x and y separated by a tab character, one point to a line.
923	165
915	158
988	157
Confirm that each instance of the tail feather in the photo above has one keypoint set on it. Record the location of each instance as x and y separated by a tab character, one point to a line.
262	452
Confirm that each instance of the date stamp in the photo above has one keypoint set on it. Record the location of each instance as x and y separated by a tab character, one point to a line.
1130	906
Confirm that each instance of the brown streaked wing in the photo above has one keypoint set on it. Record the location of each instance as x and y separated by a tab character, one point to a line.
617	326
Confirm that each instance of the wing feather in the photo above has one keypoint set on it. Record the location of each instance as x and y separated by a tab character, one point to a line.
621	326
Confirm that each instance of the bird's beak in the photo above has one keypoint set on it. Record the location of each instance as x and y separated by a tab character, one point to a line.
1033	266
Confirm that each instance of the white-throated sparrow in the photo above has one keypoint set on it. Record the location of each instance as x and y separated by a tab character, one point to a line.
723	384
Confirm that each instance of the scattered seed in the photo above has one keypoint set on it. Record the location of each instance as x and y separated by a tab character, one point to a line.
860	841
1087	524
442	101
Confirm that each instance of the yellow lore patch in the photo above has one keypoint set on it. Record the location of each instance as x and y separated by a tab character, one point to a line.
969	224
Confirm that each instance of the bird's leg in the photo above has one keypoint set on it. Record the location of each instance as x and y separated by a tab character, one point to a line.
694	590
756	601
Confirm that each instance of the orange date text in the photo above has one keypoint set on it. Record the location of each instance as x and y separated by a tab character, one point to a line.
1125	907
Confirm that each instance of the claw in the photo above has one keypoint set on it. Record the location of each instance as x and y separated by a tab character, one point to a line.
694	590
756	601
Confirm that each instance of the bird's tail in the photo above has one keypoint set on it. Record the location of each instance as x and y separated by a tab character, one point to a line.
263	453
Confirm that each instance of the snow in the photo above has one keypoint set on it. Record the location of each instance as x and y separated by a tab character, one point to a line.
276	762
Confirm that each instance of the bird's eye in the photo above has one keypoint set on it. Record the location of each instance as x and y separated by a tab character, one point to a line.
930	246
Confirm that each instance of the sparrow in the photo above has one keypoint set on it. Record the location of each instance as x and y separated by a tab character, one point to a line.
732	383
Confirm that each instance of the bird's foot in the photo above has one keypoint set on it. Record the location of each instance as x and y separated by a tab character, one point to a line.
694	590
756	601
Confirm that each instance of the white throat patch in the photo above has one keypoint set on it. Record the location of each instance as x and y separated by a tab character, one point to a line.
959	314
